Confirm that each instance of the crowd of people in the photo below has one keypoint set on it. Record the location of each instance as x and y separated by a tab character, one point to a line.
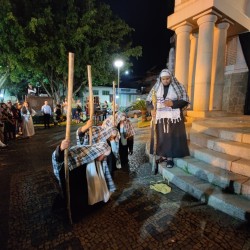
80	111
15	120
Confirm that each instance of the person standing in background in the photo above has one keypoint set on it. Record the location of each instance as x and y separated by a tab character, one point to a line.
31	90
19	119
58	114
46	109
14	117
65	107
79	105
74	109
104	109
28	127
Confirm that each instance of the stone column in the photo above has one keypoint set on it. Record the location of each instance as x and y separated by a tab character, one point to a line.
171	59
182	53
192	65
218	66
204	62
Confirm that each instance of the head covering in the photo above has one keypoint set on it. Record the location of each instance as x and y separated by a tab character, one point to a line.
79	155
127	124
176	91
85	154
120	115
99	134
165	72
178	88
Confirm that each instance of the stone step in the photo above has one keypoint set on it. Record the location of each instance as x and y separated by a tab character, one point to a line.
227	180
241	166
239	131
218	171
200	139
218	160
239	149
212	157
232	204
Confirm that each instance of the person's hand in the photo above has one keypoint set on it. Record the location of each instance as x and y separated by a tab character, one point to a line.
130	152
153	113
86	126
111	138
89	123
64	144
168	103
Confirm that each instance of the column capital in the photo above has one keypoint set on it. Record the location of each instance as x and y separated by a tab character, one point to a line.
208	13
207	18
184	28
223	25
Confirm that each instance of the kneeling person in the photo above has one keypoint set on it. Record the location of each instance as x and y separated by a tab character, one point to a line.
83	162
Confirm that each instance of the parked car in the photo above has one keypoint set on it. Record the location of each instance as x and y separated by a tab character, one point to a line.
131	113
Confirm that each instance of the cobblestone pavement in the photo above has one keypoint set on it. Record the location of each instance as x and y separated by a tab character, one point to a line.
136	217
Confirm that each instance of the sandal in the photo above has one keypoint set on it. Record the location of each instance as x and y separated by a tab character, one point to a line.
161	159
170	164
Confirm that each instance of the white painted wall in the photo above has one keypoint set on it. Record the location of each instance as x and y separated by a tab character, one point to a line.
127	96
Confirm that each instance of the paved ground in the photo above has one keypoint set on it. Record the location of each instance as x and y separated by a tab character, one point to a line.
136	217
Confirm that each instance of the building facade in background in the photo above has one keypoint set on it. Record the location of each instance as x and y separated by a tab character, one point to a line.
126	95
208	56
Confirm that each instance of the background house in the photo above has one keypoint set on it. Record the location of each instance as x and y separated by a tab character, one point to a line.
128	93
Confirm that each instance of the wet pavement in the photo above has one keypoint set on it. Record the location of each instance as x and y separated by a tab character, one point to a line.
136	217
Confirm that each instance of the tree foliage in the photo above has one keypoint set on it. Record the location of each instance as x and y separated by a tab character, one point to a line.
36	37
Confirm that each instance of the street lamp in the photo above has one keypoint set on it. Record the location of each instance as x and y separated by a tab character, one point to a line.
118	64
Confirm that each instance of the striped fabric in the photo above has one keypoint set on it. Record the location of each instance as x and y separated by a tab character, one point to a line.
108	178
99	134
130	131
178	88
83	155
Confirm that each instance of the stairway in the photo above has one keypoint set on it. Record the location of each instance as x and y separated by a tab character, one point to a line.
218	169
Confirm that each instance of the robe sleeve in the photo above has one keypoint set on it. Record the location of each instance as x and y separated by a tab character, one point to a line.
179	104
59	154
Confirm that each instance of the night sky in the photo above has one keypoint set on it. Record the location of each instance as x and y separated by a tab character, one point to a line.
148	18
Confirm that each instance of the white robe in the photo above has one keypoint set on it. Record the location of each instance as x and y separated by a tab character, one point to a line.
27	123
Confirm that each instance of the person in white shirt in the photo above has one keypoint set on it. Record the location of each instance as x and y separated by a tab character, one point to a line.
46	109
31	90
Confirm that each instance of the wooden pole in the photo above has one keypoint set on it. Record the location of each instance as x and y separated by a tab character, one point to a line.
114	103
91	102
68	124
154	101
